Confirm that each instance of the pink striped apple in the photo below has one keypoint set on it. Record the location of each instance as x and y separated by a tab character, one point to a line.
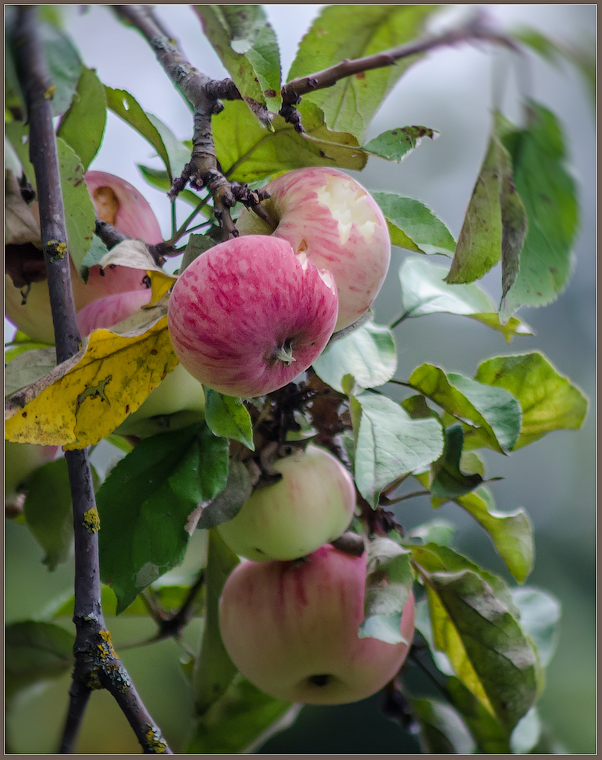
248	316
331	218
119	203
291	628
311	505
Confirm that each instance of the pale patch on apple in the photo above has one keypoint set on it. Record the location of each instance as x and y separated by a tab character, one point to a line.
346	201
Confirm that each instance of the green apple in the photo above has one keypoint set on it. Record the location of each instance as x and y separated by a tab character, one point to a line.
179	400
20	461
312	504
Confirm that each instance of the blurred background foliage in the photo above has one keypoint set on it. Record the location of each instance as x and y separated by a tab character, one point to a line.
452	91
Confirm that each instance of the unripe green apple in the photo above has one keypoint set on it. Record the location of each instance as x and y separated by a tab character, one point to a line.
312	504
291	628
179	400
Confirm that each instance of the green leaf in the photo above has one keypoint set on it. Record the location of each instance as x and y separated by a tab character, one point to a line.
448	481
497	414
484	642
159	178
83	126
489	734
495	223
413	226
389	582
540	618
214	670
48	512
177	153
548	193
229	417
149	504
341	32
549	401
511	532
127	108
396	144
96	252
248	152
228	503
246	45
424	291
34	652
389	443
80	218
64	66
242	720
368	354
442	730
434	531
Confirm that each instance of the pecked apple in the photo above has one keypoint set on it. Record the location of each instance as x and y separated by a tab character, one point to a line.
336	223
248	316
291	628
119	203
311	505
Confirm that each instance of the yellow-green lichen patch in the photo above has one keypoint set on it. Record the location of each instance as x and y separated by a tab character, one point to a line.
49	94
154	740
92	520
93	681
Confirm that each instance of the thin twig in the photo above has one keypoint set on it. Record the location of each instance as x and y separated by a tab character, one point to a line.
96	665
476	29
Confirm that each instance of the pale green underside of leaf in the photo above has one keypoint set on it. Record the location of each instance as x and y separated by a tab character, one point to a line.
368	354
413	226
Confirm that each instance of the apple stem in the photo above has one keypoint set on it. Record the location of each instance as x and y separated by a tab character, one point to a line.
285	353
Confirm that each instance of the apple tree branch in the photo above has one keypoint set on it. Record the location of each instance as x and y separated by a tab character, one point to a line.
96	664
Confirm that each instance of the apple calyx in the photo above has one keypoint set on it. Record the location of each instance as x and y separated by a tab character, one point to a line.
284	353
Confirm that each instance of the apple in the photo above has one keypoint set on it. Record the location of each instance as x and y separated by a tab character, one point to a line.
311	505
248	316
117	202
291	628
20	461
331	218
179	400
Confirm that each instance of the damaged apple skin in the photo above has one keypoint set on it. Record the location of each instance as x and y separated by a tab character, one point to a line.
336	223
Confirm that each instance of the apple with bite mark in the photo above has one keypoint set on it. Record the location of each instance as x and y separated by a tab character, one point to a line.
291	628
311	505
246	317
119	203
331	218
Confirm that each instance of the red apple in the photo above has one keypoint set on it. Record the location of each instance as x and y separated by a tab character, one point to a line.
248	316
311	505
291	628
120	204
331	218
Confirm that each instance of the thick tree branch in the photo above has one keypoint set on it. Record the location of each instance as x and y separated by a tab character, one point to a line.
96	665
204	95
476	29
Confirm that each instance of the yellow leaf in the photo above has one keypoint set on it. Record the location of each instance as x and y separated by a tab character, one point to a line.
84	399
135	255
